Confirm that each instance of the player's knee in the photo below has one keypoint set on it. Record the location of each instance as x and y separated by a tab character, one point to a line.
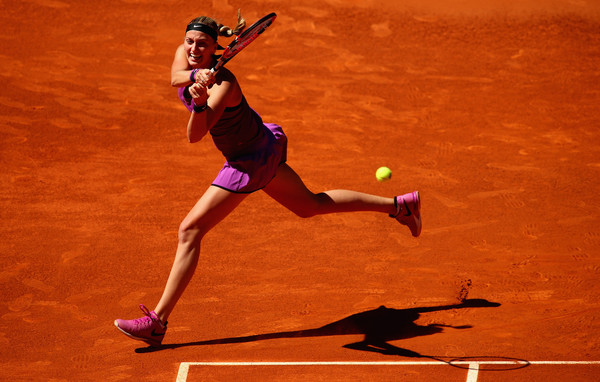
316	206
189	232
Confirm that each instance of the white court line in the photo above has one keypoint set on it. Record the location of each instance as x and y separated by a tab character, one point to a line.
473	372
472	375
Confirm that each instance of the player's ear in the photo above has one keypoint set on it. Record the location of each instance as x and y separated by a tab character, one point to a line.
214	48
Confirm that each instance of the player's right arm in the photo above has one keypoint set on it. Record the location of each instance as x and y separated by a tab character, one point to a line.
180	69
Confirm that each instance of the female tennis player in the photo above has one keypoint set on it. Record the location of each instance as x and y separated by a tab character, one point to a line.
255	154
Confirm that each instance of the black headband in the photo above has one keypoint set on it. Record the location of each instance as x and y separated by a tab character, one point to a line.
204	29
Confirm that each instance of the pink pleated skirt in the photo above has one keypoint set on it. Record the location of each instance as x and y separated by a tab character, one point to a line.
252	172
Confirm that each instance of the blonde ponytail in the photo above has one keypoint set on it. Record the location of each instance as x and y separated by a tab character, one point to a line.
218	28
228	32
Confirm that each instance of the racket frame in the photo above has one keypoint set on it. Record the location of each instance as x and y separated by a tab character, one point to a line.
244	39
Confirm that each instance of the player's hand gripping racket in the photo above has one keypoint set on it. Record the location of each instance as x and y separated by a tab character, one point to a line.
244	39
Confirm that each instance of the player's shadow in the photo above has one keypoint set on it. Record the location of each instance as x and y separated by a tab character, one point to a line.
379	326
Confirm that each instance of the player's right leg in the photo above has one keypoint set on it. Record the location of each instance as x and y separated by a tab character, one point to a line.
213	206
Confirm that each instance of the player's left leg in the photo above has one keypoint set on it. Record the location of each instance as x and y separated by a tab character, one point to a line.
288	189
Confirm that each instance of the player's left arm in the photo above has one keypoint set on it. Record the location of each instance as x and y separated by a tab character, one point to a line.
213	100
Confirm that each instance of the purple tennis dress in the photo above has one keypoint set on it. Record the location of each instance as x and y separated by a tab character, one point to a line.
253	150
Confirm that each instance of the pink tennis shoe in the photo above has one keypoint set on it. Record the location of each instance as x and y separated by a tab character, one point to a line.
148	328
408	211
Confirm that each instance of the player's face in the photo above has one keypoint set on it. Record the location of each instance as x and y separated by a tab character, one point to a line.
199	49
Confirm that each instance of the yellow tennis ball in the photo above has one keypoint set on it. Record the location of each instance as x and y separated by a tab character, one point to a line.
383	174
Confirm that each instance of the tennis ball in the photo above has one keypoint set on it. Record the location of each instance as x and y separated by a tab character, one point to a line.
383	174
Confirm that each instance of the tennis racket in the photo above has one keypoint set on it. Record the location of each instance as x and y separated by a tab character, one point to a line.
244	39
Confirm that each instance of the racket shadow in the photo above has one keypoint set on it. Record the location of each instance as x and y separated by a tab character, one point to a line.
379	327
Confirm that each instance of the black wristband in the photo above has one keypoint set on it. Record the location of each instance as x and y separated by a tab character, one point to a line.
193	75
200	108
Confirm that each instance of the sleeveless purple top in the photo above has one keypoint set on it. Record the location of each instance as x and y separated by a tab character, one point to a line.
239	131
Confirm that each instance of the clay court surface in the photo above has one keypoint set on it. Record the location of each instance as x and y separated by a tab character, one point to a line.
490	110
